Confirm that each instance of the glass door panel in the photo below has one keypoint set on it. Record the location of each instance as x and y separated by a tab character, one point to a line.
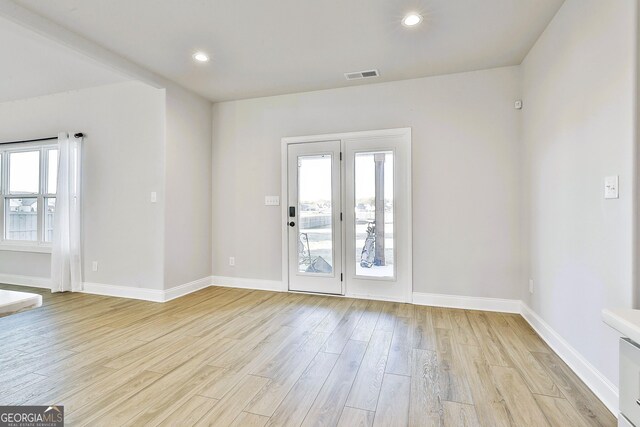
315	231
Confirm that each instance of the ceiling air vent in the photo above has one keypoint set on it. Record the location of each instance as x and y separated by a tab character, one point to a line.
361	74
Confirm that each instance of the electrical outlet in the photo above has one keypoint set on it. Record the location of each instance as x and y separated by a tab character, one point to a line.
530	286
94	266
232	261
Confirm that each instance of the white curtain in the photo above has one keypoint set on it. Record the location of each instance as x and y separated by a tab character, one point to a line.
66	262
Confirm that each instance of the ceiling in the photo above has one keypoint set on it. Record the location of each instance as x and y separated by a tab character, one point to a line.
34	66
261	48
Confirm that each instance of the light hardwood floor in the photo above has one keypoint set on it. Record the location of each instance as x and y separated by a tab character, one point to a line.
252	358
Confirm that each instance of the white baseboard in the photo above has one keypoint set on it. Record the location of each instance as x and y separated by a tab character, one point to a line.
598	383
154	295
145	294
468	303
31	281
187	288
256	284
606	391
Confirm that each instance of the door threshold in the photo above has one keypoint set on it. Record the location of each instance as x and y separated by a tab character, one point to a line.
322	294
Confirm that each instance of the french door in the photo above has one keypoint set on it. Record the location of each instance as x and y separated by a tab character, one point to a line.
313	217
348	214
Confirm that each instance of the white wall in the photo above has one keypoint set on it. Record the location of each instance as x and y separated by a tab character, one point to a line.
188	189
123	161
465	174
138	140
578	127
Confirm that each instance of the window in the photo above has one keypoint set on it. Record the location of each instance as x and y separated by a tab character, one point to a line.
374	219
28	178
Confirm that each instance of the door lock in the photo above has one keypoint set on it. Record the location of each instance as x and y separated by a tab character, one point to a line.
292	224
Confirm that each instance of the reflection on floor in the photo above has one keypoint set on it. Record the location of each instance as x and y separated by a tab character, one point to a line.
224	356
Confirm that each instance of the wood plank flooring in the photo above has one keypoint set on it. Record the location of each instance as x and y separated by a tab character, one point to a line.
232	357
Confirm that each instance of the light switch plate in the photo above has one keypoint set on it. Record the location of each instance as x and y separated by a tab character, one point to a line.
272	200
611	187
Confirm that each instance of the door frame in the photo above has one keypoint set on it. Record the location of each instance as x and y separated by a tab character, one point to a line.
405	134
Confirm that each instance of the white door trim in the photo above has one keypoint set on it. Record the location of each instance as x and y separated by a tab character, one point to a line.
404	132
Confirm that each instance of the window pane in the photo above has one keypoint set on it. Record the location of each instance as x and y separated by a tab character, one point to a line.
21	219
52	174
48	218
315	241
24	172
374	214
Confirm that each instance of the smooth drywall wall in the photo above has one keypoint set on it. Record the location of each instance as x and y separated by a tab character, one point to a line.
578	128
465	175
187	189
123	162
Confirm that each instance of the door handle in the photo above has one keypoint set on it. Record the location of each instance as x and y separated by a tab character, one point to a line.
292	224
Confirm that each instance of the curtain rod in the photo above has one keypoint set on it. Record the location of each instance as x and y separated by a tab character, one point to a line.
77	135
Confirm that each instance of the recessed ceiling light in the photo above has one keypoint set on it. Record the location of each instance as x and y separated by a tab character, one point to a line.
411	20
201	57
